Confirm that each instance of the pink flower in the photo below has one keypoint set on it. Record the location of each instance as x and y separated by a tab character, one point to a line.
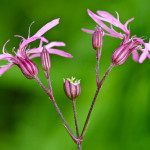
107	17
24	54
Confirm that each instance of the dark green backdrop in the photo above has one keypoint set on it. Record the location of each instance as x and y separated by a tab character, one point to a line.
121	117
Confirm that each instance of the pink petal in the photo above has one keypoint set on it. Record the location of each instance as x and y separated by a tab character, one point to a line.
35	50
88	31
128	22
98	21
8	57
143	57
34	55
31	39
5	68
147	46
47	27
59	52
51	51
135	55
48	46
105	16
52	44
148	56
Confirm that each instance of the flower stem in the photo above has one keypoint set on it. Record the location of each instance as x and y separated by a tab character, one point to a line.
93	102
49	82
98	55
57	108
76	124
75	117
79	146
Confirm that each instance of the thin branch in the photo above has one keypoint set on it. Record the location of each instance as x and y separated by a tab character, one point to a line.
93	102
57	108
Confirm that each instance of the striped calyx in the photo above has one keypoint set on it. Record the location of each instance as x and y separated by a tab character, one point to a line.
72	88
45	60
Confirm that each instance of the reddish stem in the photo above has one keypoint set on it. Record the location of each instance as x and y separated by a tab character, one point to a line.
93	102
57	108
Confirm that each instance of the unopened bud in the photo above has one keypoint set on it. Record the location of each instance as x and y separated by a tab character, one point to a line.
45	60
122	53
72	88
97	38
28	68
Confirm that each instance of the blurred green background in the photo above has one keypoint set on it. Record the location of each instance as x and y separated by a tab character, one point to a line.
121	116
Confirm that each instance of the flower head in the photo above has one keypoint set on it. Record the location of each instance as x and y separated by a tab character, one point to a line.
103	16
24	54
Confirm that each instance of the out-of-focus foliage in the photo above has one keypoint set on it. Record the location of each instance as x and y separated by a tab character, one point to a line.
121	117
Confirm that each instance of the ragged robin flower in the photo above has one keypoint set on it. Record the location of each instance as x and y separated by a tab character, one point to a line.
103	16
24	55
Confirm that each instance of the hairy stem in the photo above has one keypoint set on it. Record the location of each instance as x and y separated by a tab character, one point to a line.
93	102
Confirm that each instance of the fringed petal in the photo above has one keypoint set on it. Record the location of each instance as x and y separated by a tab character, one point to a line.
88	31
59	52
111	31
47	27
52	44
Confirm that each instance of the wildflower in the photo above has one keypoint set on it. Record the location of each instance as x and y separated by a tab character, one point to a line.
72	88
24	54
125	36
97	38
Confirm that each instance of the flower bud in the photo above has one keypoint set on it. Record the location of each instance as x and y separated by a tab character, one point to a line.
72	88
28	68
97	38
122	53
45	60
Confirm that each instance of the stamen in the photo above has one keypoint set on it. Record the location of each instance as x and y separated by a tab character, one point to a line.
4	47
29	29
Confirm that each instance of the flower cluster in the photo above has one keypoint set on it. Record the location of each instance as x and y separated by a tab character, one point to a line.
72	88
128	45
24	55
